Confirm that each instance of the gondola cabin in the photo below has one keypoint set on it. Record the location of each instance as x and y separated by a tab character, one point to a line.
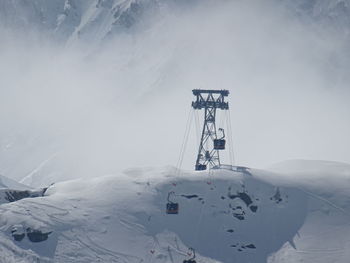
191	260
172	208
219	144
201	167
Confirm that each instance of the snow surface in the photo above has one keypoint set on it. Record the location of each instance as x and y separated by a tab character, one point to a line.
324	236
226	216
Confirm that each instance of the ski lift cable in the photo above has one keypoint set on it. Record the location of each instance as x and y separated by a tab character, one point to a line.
229	125
197	129
184	141
222	120
187	135
200	216
200	219
153	250
229	138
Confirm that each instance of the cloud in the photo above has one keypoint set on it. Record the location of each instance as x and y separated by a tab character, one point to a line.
126	103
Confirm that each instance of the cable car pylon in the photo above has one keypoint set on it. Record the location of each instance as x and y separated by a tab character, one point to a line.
210	144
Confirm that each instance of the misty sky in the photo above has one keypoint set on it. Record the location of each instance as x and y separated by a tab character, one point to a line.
88	108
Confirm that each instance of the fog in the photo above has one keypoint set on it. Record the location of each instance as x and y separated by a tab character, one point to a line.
88	109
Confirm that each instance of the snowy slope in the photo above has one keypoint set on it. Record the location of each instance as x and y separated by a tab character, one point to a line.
226	216
324	237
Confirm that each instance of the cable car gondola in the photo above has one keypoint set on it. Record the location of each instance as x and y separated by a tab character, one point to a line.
219	144
201	167
191	260
171	207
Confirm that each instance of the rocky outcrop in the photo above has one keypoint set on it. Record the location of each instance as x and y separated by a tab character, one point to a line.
34	235
11	195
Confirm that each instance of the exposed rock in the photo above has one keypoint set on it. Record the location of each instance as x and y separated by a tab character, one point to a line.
11	195
18	232
239	216
277	196
190	196
252	246
37	235
15	195
253	208
243	196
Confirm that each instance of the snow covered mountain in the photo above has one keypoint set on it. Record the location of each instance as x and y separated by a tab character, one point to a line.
224	215
331	10
69	119
71	21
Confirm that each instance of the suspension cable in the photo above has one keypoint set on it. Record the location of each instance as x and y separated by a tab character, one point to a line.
184	141
202	209
229	126
197	129
222	120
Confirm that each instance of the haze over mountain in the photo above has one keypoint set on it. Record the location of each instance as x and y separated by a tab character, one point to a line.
92	90
96	20
81	79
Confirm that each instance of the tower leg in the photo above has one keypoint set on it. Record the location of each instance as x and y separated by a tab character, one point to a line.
207	155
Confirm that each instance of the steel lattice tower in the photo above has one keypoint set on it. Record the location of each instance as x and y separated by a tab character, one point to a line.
210	101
